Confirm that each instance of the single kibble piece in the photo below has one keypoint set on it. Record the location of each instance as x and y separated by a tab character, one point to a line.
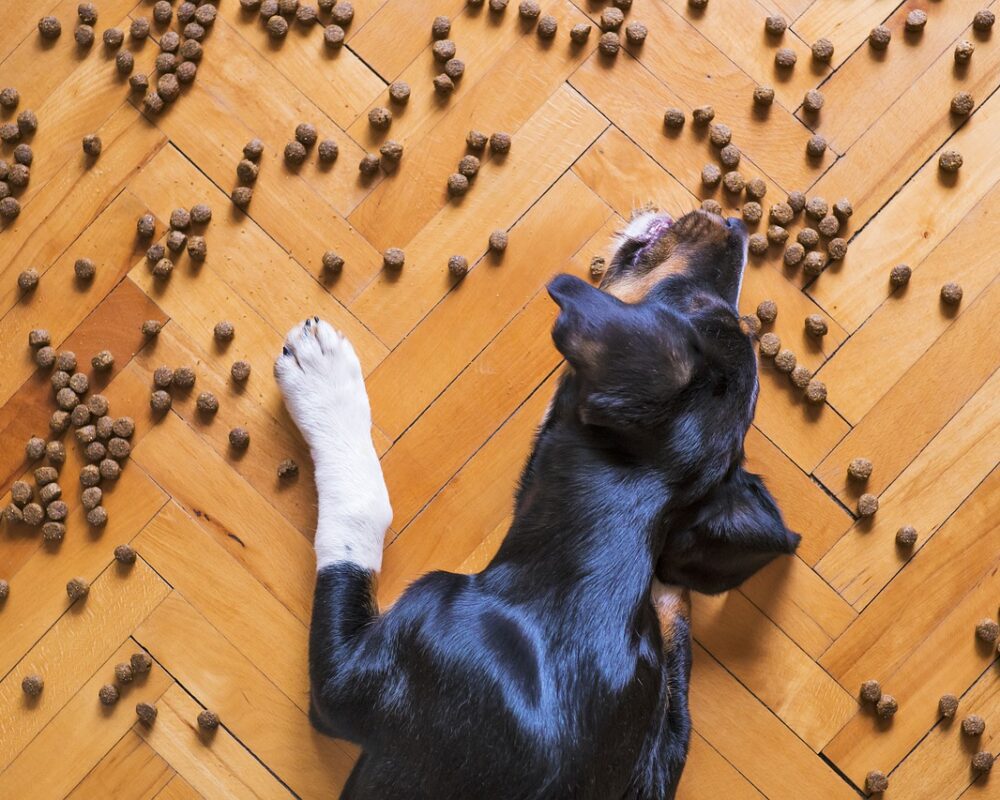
815	391
713	206
207	402
369	164
146	712
241	196
110	469
879	37
756	188
124	62
9	133
951	294
963	52
197	248
124	673
77	588
703	115
458	184
987	630
49	493
785	58
66	399
698	5
836	249
108	694
770	344
141	663
733	182
288	469
829	226
750	325
86	434
763	96
390	153
598	266
393	258
816	326
468	166
962	104
720	134
113	38
49	27
973	725
28	280
498	241
886	707
443	50
983	20
822	51
4	590
609	43
817	208
105	427
458	266
118	448
332	262
441	26
35	448
208	720
46	475
860	469
711	175
781	214
159	401
948	706
66	361
39	337
767	311
277	27
176	241
90	475
816	146
900	275
443	84
9	97
240	371
548	25
775	24
906	536
239	438
21	493
784	361
673	118
184	377
757	244
950	161
636	32
125	554
151	327
380	118
45	356
10	208
611	19
328	151
876	782
752	212
867	505
103	361
871	691
983	761
295	153
813	101
56	452
801	376
580	33
224	331
916	20
32	685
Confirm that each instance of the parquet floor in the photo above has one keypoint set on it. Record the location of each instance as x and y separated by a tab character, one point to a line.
459	372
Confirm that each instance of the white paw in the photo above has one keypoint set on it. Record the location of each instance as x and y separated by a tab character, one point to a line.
320	378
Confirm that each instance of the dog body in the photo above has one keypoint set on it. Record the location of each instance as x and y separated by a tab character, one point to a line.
560	670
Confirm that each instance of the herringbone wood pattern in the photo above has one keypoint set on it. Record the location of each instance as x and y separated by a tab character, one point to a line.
459	373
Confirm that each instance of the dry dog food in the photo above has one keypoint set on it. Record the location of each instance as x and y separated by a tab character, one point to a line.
90	475
442	51
813	101
125	554
860	469
973	725
56	452
124	62
720	134
598	266
333	36
876	782
900	275
886	707
208	720
32	685
713	207
836	249
241	196
816	326
879	37
987	630
288	469
962	104
871	691
916	20
815	391
785	361
109	469
867	505
224	331
277	27
295	153
240	371
763	96
77	588
822	51
159	401
752	212
733	182
612	19
776	234
201	214
380	118
28	279
950	161
829	226
636	32
703	115
580	33
801	376
498	241
328	151
454	68
49	27
207	402
4	590
983	20
443	84
609	44
458	184
757	244
113	38
948	705
775	24
814	263
983	761
816	146
770	344
781	214
141	663
103	361
785	58
711	175
239	438
951	293
817	208
124	673
146	712
729	156
500	143
458	266
756	188
963	51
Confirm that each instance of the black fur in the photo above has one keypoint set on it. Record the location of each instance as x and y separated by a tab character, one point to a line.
548	675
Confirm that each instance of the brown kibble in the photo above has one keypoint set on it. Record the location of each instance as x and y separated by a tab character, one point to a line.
124	62
342	13
56	452
611	19
49	493
822	51
90	475
39	337
973	725
767	311
163	376
816	146
815	391
4	590
239	438
240	371
950	161
711	175
814	263
124	673
963	51
636	33
118	448
207	403
151	327
785	58
951	294
109	469
13	514
10	208
380	118
108	694
369	164
703	115
836	249
28	280
21	493
184	377
757	244
733	182
916	20
813	101
80	415
720	134
785	361
468	166
750	325
443	84
756	188
983	20
983	760
770	344
66	399
886	707
141	663
673	118
393	258
879	37
146	711
98	405
224	331
103	361
871	691
458	184
987	630
59	422
580	33
49	27
500	143
752	212
35	448
876	782
962	104
46	475
97	517
160	401
32	685
9	97
948	706
390	154
441	26
775	24
598	266
829	226
776	234
906	536
860	469
241	196
867	505
763	96
713	206
816	326
105	427
781	214
53	531
498	241
113	38
208	720
288	469
801	376
458	266
45	357
77	588
442	50
9	133
125	554
609	43
277	27
454	68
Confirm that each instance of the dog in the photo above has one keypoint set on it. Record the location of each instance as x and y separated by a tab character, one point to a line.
561	670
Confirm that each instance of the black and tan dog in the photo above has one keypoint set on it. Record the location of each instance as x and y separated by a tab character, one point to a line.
560	670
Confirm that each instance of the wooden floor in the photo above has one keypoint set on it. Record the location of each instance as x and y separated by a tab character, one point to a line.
460	372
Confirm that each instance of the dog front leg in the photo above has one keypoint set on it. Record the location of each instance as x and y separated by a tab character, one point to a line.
320	378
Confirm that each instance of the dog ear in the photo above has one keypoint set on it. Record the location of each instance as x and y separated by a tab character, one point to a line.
726	538
630	358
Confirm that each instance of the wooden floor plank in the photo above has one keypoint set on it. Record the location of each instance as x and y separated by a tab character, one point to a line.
131	770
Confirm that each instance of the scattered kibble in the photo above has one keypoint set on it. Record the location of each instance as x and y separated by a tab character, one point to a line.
816	145
763	96
580	33
776	234
56	452
962	104
886	707
950	161
867	505
733	182
752	212
636	32
813	101
241	196
815	325
785	361
801	376
916	20
750	324
124	673
288	469
328	151
711	175
109	469
757	243
28	279
32	685
77	588
814	263
781	214
906	536
703	115
609	43
53	531
988	630
207	402
983	20
458	266
712	206
498	241
836	249
951	293
720	134
948	706
963	51
767	311
125	554
240	371
159	401
871	691
815	391
973	725
224	331
239	438
876	782
598	266
208	720
4	590
458	184
141	663
785	58
983	761
295	153
775	24
770	344
860	469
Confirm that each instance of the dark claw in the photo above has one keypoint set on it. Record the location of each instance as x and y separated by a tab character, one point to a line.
309	322
285	351
317	320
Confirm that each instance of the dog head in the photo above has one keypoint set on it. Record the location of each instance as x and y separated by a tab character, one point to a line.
663	375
